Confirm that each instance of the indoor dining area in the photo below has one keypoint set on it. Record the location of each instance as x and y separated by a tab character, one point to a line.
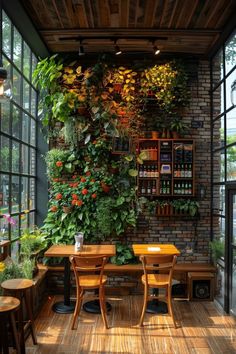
117	177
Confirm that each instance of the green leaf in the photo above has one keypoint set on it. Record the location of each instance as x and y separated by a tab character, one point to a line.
133	172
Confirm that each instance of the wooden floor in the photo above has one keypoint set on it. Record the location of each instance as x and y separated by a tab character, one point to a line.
202	329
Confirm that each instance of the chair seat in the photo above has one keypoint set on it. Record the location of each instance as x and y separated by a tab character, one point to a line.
155	280
91	281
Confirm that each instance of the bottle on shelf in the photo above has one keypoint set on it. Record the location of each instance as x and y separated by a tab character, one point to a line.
149	188
143	188
154	189
141	171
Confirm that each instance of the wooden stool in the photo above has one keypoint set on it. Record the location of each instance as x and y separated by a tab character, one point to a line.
201	286
21	288
8	305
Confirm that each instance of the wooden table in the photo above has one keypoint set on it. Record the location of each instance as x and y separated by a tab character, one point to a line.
66	251
155	306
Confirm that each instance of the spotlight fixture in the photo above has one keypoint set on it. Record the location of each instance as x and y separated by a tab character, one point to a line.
156	50
117	49
5	84
81	49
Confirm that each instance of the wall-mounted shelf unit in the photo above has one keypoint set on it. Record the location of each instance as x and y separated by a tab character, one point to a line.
168	168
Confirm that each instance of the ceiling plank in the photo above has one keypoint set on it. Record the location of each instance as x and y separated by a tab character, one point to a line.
80	13
150	10
218	11
124	13
186	13
203	15
71	13
104	13
58	14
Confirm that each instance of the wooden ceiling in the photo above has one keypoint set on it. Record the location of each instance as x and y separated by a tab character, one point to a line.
175	26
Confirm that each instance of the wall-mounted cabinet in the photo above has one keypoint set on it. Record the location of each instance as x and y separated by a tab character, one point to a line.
167	169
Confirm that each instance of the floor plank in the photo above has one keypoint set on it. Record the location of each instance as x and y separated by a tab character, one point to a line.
202	328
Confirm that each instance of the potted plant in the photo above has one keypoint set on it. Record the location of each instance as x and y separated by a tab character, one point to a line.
217	250
178	127
124	255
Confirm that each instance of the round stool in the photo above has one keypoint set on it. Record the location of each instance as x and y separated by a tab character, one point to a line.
22	289
8	305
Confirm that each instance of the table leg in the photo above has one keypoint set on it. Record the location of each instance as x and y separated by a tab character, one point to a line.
65	306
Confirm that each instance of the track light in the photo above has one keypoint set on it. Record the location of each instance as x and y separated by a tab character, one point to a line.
5	84
156	50
118	51
81	49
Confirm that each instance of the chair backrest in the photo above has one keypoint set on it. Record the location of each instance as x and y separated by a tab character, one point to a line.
88	264
159	263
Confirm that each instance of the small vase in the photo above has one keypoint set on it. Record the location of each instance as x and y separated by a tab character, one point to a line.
155	135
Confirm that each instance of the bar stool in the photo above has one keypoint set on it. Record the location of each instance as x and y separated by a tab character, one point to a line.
21	288
8	306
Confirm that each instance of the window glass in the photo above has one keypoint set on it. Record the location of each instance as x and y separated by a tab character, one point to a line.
218	101
5	154
33	102
230	53
17	48
25	127
15	157
218	207
231	163
14	251
15	194
26	95
6	35
16	118
4	194
33	132
31	219
217	68
16	86
27	60
34	62
32	161
218	133
24	193
222	200
5	114
32	194
231	126
24	158
222	166
229	81
15	228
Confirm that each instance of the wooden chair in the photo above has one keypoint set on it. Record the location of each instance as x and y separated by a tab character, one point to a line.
160	276
93	266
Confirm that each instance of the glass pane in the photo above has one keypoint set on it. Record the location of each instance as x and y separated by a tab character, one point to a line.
4	229
16	118
24	221
32	194
24	159
26	95
222	200
229	81
218	101
33	132
32	161
231	163
33	102
14	250
34	62
25	127
16	86
233	291
234	220
15	228
4	194
5	154
15	157
222	166
230	53
218	133
5	117
219	200
220	280
27	60
15	194
31	219
231	126
24	194
6	35
17	48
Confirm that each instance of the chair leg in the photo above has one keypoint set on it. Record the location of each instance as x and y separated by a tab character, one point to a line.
103	306
145	299
79	298
170	308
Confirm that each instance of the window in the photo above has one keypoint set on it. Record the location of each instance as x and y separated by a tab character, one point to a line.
18	126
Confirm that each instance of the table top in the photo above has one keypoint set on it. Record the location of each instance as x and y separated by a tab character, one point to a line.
155	249
17	284
8	303
90	250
